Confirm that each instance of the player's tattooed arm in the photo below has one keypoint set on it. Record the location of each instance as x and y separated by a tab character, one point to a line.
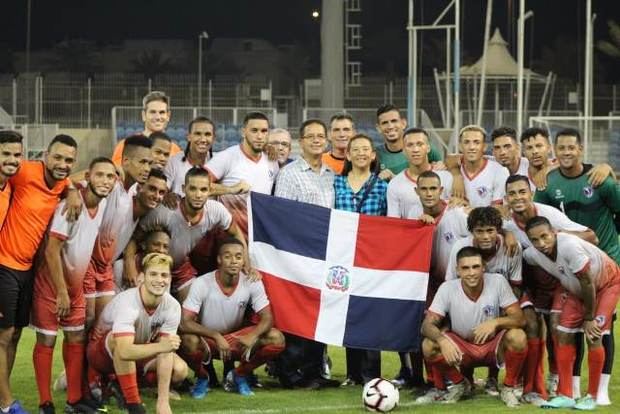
431	329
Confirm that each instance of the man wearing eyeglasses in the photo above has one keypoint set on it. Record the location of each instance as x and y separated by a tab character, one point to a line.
280	139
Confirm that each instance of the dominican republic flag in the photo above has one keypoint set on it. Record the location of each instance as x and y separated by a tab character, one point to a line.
338	277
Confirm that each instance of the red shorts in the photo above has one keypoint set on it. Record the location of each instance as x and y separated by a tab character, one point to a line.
183	276
484	355
571	317
100	358
98	283
43	316
539	286
236	350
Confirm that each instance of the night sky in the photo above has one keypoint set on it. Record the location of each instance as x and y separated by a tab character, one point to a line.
556	24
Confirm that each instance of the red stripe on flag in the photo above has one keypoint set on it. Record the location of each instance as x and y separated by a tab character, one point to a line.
385	243
295	307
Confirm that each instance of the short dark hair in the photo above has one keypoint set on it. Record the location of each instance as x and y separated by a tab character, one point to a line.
227	240
387	108
135	141
157	174
200	120
416	130
10	137
100	160
254	115
196	171
504	131
159	135
341	117
535	222
484	216
311	121
429	174
568	132
468	251
155	229
532	132
63	139
516	178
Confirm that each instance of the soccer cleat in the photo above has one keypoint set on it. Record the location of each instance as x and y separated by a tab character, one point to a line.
229	382
326	368
200	389
254	381
173	395
60	383
491	387
560	401
114	390
533	398
46	408
243	387
456	391
434	395
552	384
80	407
348	382
509	397
16	408
585	403
135	408
402	380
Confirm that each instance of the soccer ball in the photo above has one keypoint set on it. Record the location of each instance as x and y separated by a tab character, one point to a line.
379	395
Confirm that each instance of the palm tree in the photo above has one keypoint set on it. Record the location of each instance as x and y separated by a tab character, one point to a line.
152	63
611	48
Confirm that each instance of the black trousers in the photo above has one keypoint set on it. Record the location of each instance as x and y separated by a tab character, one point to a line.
301	360
363	365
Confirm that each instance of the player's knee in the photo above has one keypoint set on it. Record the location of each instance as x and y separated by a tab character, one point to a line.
532	327
190	343
429	348
180	370
275	337
46	340
564	338
515	339
75	337
6	336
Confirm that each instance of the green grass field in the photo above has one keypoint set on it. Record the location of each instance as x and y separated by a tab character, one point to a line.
273	399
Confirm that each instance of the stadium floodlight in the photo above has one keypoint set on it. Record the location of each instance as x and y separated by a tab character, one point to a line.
202	35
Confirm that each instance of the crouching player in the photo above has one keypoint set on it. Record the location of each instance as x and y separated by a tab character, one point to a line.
478	335
213	317
591	280
136	336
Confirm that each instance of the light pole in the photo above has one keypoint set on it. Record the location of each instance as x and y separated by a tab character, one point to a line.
203	35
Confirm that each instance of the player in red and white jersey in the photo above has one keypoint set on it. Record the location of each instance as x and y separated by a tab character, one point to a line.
58	298
402	199
243	168
192	219
11	153
507	152
136	335
212	322
478	335
200	137
484	179
592	282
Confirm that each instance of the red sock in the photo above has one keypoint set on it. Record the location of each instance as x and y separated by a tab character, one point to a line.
129	386
539	378
42	359
73	356
564	360
514	362
534	347
194	360
596	360
436	377
447	371
262	355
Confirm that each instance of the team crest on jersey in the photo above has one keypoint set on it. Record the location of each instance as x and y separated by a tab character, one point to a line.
488	311
558	193
588	191
561	269
271	174
242	304
449	237
338	278
482	191
600	320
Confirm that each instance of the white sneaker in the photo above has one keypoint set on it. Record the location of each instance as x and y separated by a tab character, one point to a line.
552	384
60	384
456	392
433	395
509	397
533	398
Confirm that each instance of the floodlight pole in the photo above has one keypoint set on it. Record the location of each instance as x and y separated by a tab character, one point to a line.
202	35
411	69
587	90
520	61
457	66
483	74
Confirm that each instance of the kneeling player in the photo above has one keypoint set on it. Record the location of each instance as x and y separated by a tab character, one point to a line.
478	335
136	335
592	283
218	300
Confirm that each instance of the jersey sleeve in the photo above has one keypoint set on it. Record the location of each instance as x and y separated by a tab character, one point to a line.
159	217
124	321
515	267
221	215
559	220
170	171
173	319
219	165
505	293
610	193
117	155
195	297
446	182
60	227
441	301
259	296
393	201
451	269
541	196
460	229
434	155
499	184
575	255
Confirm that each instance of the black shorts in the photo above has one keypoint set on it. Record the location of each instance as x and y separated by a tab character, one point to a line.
15	297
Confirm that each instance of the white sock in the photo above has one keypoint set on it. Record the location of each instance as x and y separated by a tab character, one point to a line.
576	387
602	395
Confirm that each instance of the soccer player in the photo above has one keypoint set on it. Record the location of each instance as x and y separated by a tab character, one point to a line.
478	335
212	321
568	189
591	280
190	221
341	130
280	139
155	115
200	138
507	152
160	150
402	199
244	167
11	153
58	298
37	188
484	178
391	125
136	335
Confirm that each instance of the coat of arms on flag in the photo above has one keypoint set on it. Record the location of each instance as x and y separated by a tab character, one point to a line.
338	277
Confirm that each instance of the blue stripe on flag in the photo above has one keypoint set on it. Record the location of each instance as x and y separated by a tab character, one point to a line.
383	324
287	225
